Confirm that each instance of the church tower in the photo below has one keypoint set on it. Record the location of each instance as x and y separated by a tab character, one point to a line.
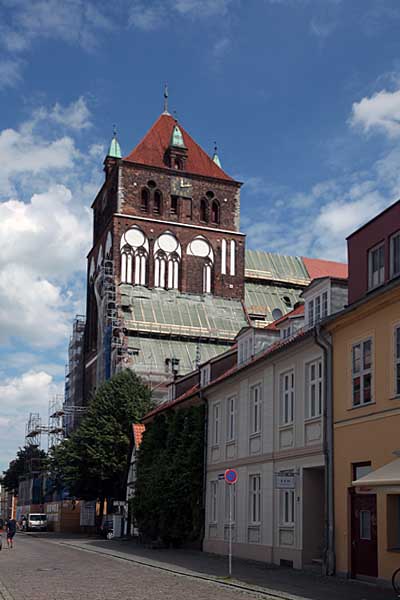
165	283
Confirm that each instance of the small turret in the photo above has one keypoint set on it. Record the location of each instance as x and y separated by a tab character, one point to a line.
113	154
215	156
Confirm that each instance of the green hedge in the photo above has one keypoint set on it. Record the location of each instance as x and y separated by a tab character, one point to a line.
168	497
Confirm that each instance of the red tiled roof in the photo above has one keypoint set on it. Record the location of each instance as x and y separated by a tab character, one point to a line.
151	150
138	431
293	313
325	268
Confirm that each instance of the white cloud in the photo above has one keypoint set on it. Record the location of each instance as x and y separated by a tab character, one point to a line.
10	72
75	116
381	111
221	47
149	16
30	392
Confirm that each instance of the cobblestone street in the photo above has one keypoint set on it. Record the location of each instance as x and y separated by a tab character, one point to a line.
51	567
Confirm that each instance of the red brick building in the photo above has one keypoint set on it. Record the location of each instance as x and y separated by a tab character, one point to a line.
167	283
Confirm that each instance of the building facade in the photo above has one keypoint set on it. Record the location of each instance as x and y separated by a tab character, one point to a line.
366	403
169	282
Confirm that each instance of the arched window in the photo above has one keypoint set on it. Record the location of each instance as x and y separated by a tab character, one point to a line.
215	211
160	267
157	207
203	210
207	277
178	164
223	257
145	199
126	265
140	266
173	272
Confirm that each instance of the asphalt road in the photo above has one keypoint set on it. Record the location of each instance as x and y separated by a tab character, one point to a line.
41	569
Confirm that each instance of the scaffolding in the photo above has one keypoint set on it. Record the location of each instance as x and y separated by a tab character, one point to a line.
74	374
56	427
34	430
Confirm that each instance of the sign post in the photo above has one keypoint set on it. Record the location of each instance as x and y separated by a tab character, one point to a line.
231	478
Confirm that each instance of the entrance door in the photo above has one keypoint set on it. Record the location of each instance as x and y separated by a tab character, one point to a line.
364	550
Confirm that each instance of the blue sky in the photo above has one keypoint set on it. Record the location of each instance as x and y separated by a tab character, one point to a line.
302	97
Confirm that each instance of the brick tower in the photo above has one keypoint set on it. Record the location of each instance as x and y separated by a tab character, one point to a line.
165	280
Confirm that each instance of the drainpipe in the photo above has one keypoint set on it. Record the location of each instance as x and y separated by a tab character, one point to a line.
324	342
202	397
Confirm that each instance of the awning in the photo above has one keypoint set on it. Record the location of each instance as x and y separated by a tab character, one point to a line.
388	475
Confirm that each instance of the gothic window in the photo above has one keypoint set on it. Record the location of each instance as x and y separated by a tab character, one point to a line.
178	164
215	211
223	257
134	253
145	200
157	207
203	210
207	276
160	264
167	257
232	265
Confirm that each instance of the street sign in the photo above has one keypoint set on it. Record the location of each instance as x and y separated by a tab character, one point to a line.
285	482
231	476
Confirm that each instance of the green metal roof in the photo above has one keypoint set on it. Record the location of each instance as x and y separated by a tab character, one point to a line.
216	160
177	138
149	354
262	298
175	313
277	267
115	148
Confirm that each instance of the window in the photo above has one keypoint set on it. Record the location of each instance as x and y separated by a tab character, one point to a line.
207	277
157	207
255	499
286	333
311	313
376	266
232	266
216	419
255	409
361	469
160	267
205	374
213	501
173	272
314	388
203	210
362	373
287	507
397	360
145	200
215	212
231	419
324	305
140	266
178	164
174	205
395	255
287	397
393	521
126	266
317	309
230	489
365	525
223	257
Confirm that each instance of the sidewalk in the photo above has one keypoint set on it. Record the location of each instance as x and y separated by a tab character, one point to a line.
277	581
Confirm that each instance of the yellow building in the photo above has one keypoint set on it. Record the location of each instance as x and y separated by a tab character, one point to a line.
366	404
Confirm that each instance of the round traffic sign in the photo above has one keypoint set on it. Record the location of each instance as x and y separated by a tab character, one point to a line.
231	476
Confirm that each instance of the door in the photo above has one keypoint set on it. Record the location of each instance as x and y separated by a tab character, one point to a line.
364	547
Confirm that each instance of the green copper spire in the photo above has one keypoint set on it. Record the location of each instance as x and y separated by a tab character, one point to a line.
216	157
115	149
177	138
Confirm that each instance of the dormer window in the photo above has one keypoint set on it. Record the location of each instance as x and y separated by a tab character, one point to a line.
205	375
245	349
376	266
178	164
286	332
317	308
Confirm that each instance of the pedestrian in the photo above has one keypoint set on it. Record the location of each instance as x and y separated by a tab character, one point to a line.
11	529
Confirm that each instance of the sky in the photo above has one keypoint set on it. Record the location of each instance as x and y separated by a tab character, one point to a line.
301	96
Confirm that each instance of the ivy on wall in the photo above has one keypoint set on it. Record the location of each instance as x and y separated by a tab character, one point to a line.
168	495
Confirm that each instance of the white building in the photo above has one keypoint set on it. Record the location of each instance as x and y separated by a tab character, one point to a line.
267	420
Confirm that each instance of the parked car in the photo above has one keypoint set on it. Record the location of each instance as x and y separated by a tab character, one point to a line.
36	522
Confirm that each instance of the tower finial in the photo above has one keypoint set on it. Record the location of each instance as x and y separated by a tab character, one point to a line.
166	99
215	155
115	149
114	130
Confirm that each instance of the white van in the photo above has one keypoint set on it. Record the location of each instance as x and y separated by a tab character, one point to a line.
36	522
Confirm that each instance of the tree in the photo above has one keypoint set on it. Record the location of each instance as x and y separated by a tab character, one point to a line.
92	462
28	458
169	486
